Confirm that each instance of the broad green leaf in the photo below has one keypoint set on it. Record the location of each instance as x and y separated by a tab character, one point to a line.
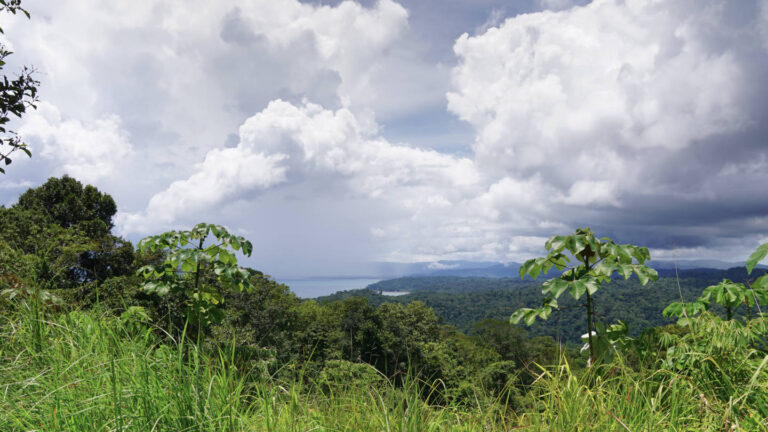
201	230
641	254
144	244
577	289
145	271
227	257
594	245
605	267
749	299
218	231
679	309
576	244
674	309
560	261
247	246
697	307
550	302
530	317
608	250
756	257
556	243
535	269
546	265
644	274
624	253
762	295
652	274
555	286
731	293
212	251
518	315
235	242
592	286
625	270
188	266
761	283
526	267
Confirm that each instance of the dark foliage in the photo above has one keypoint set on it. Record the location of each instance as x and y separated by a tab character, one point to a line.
17	93
462	302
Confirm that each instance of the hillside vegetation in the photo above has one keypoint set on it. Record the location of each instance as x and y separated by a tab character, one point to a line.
174	335
462	302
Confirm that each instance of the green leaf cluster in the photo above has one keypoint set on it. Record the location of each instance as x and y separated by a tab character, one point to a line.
727	294
16	95
595	261
198	264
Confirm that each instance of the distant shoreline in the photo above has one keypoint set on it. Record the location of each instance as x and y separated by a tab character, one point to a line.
320	287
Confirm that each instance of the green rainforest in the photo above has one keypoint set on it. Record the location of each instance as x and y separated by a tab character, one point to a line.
173	334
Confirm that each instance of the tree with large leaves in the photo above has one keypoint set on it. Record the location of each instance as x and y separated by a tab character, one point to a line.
728	294
597	259
197	269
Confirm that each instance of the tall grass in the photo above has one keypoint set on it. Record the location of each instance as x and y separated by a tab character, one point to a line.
94	372
99	373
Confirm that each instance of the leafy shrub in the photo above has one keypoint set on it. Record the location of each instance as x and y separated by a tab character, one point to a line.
341	375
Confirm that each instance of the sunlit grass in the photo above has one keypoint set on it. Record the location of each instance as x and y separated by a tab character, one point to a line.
94	372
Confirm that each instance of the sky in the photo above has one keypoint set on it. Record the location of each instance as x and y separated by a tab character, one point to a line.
338	134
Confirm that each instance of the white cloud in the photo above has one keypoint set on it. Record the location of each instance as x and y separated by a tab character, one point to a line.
438	206
441	266
581	114
573	110
587	192
182	75
88	151
584	95
288	143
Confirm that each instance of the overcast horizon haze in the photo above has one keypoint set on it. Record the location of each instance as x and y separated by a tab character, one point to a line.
336	135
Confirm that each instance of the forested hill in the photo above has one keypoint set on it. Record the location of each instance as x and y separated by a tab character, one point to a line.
459	284
462	302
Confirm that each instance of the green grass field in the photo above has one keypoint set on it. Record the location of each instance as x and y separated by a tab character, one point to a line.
95	372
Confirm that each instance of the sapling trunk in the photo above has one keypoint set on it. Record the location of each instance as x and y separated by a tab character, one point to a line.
589	329
590	323
198	380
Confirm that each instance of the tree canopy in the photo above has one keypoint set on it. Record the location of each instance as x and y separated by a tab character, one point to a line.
67	203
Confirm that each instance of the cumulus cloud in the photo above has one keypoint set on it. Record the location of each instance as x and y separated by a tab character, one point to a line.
589	115
641	118
289	143
618	99
182	76
587	192
88	151
612	75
